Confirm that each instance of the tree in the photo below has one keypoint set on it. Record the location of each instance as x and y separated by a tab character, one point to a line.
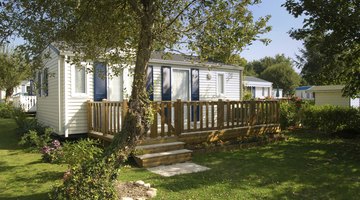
315	69
256	67
333	28
12	71
283	76
229	32
124	31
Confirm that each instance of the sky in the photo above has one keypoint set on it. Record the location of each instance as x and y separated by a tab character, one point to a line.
281	22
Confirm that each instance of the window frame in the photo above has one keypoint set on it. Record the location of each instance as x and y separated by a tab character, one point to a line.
218	74
73	82
189	81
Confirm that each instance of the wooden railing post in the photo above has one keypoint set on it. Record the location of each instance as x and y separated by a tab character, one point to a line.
253	114
89	115
220	114
178	117
278	111
103	117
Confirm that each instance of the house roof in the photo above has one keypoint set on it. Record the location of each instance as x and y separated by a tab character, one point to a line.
162	58
255	79
182	59
303	87
326	88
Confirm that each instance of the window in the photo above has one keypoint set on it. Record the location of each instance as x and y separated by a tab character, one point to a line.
79	79
263	91
221	84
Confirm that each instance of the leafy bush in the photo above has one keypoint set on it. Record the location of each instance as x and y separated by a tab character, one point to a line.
6	110
33	139
75	153
331	118
25	123
288	115
93	179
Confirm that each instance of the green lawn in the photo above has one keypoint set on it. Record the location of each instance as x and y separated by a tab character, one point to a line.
307	166
22	174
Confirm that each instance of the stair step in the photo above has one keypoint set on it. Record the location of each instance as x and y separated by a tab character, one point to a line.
156	148
163	158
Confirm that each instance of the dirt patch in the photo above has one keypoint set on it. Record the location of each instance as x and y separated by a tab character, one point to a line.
132	190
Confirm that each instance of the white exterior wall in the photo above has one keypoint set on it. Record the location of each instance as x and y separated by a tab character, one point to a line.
75	116
47	106
355	102
259	88
303	94
331	98
280	93
208	88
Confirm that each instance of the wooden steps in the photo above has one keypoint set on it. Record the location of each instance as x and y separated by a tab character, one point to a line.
152	155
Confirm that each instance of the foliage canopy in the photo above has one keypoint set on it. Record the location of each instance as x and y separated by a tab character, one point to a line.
333	28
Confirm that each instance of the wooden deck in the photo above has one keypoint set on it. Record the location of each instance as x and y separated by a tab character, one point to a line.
174	118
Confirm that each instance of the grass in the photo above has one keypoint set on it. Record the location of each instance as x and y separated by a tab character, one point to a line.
307	166
22	174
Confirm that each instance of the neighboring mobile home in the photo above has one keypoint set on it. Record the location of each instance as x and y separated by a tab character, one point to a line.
62	99
258	88
332	95
302	92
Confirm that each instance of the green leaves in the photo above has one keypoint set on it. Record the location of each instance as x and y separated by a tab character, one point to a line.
332	29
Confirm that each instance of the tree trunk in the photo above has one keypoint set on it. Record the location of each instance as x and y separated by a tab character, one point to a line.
136	121
8	93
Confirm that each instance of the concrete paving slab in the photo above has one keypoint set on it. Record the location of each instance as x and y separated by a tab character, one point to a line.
178	168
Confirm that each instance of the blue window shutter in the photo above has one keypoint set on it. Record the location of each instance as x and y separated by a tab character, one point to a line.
150	82
100	86
165	83
195	92
39	84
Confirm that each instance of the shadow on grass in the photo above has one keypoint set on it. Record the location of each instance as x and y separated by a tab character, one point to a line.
37	196
5	167
306	166
45	176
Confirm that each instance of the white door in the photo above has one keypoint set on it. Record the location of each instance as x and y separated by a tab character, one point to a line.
180	85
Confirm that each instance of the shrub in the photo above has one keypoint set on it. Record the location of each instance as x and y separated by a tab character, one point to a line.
6	110
331	118
75	153
93	179
288	115
33	139
25	123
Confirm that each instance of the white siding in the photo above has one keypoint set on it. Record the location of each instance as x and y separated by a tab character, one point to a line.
355	102
331	98
48	106
75	110
208	88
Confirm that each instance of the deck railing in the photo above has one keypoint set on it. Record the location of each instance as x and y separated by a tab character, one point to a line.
27	103
176	117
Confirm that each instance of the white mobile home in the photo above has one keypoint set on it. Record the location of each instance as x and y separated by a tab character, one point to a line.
332	95
303	93
258	88
62	99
